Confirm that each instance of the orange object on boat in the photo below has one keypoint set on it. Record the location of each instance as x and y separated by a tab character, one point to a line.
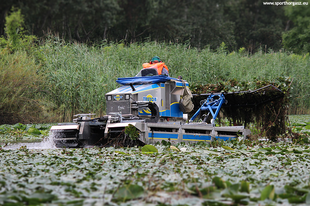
158	66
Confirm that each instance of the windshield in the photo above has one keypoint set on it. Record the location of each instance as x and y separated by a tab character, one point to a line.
147	72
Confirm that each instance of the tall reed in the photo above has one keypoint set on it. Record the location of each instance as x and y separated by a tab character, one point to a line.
78	75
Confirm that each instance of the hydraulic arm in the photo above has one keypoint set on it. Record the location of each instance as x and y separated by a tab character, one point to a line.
212	105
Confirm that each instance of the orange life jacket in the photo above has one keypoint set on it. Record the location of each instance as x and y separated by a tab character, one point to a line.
158	66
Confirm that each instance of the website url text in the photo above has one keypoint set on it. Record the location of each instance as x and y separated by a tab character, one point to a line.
285	3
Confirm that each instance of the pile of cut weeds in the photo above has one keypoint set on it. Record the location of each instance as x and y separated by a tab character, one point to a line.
262	102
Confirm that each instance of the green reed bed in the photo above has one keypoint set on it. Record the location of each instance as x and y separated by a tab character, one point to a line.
80	75
64	79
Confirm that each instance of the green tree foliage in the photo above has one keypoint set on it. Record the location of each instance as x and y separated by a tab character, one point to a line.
19	79
81	20
133	21
208	25
13	27
200	23
256	25
15	33
5	7
297	39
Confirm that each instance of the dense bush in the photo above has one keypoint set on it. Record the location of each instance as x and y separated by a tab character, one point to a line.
20	89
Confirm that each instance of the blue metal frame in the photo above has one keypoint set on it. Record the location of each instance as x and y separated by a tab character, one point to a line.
210	105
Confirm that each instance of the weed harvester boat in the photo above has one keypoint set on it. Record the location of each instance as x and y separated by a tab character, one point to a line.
146	109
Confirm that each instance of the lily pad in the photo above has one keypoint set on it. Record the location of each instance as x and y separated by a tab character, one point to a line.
227	148
33	131
297	199
128	192
149	148
19	126
267	148
237	197
245	187
268	193
219	183
38	198
205	192
120	152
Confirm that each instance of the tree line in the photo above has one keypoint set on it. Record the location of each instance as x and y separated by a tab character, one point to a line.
247	24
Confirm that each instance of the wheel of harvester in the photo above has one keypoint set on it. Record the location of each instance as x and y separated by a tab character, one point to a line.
67	143
65	139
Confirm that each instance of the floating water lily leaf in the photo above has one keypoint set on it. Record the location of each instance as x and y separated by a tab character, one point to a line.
228	184
268	193
286	196
296	191
148	152
245	187
3	128
85	174
205	192
38	198
11	200
234	188
297	199
70	202
34	131
213	203
120	152
149	148
128	192
297	151
2	183
268	149
219	183
44	132
237	197
19	126
227	148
